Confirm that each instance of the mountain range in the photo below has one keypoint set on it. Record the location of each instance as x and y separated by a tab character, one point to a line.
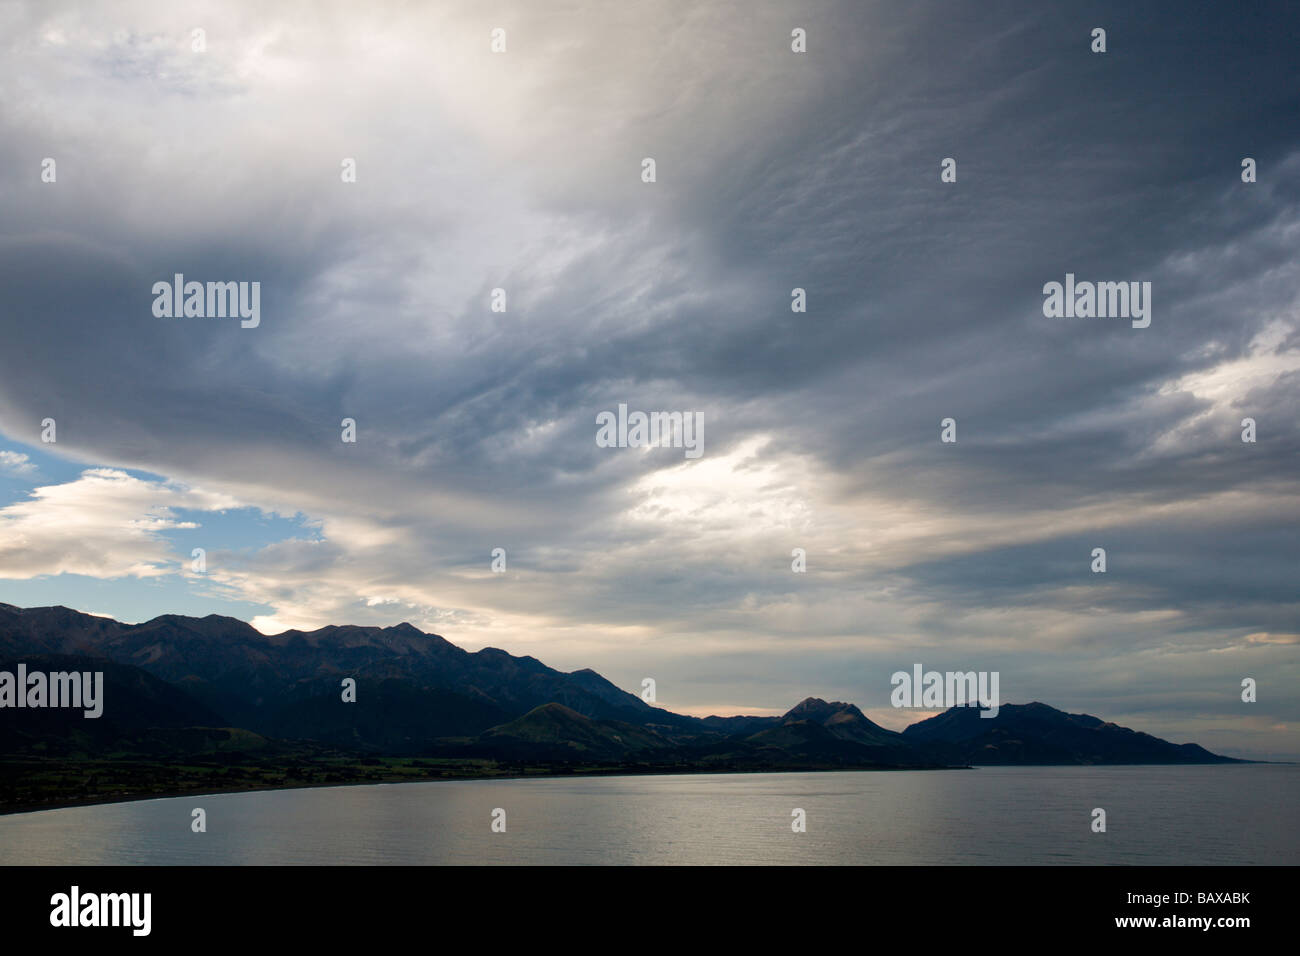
180	686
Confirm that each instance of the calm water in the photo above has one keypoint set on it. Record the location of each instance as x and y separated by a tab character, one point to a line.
1036	815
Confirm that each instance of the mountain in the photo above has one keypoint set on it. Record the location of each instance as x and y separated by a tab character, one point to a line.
142	707
179	682
1038	734
835	733
744	724
553	731
283	684
844	722
397	716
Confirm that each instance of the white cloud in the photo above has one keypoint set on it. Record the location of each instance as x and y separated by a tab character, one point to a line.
16	464
104	524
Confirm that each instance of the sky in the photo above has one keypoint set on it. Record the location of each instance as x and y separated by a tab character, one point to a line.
224	156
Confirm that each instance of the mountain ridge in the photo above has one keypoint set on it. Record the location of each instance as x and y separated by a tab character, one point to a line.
429	696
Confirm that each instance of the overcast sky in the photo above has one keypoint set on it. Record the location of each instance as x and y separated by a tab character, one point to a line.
476	429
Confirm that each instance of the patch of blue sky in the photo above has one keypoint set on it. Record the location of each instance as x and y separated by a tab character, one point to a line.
127	599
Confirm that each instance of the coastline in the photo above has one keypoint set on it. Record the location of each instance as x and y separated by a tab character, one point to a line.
549	773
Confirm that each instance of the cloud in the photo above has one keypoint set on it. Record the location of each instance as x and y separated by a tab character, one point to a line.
16	464
105	524
1265	638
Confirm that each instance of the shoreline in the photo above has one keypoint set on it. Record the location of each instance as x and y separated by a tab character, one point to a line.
174	793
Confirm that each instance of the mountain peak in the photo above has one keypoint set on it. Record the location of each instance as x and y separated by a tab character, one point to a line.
814	708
